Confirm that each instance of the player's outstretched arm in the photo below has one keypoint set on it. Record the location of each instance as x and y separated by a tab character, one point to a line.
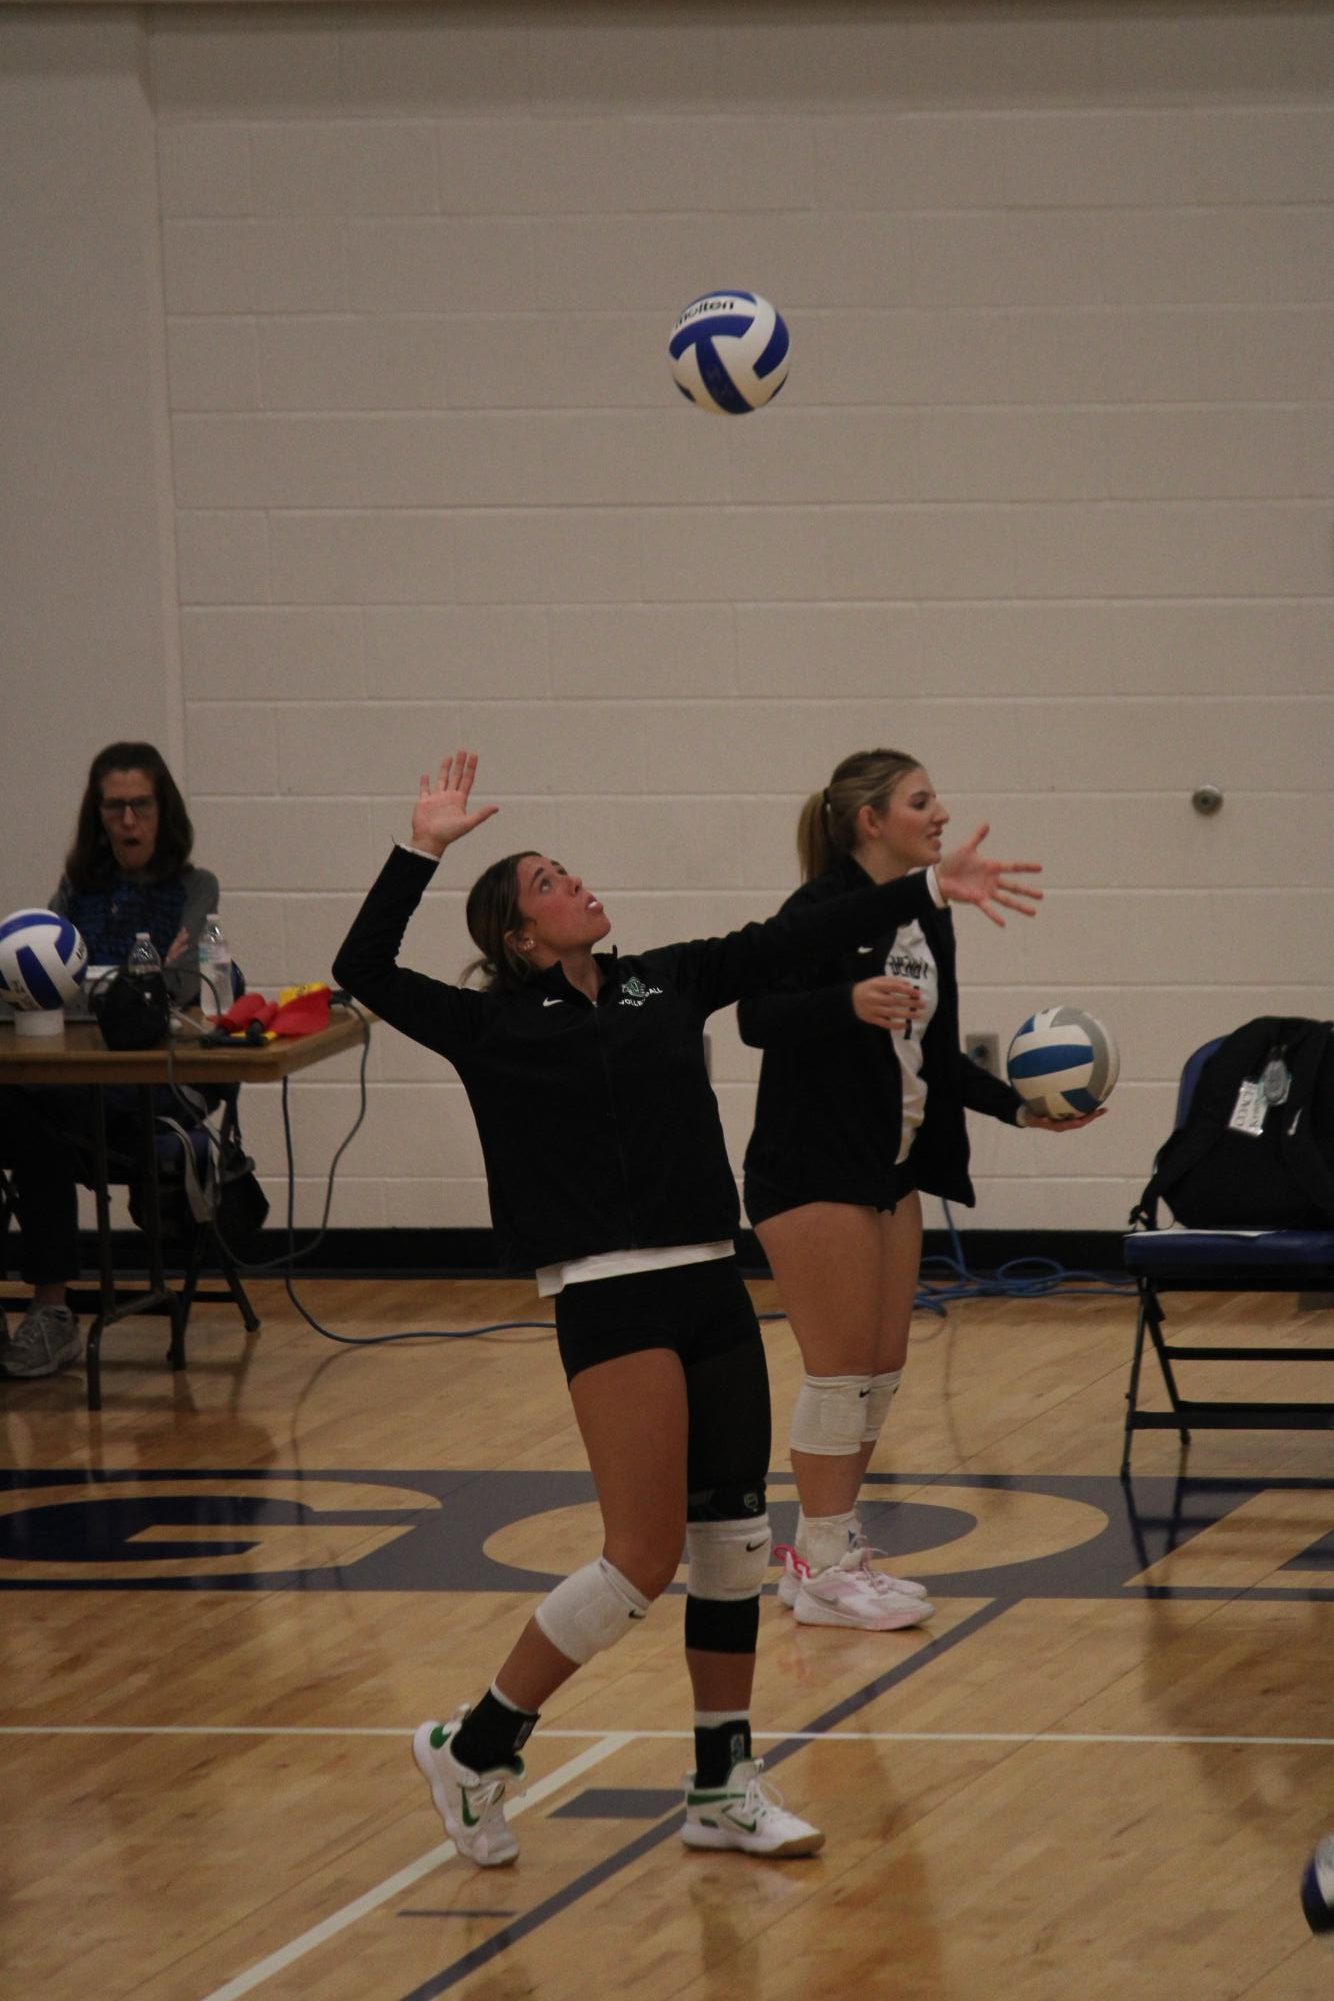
967	876
441	1017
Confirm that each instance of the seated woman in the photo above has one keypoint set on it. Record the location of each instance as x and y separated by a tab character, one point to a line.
128	870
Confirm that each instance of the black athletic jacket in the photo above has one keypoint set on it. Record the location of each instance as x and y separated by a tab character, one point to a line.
599	1127
829	1115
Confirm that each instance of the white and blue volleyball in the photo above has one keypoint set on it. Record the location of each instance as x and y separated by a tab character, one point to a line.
729	352
42	960
1318	1889
1063	1063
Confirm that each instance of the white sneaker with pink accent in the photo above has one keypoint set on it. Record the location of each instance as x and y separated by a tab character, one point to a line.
907	1585
795	1567
849	1593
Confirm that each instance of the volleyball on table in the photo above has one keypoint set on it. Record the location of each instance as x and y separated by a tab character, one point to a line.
42	959
1063	1063
729	352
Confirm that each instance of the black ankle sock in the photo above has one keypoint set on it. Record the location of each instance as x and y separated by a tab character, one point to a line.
719	1746
491	1734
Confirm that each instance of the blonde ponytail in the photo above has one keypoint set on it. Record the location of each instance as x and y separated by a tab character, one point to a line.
815	850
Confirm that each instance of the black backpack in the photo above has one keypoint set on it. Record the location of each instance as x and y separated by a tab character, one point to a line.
1256	1151
204	1179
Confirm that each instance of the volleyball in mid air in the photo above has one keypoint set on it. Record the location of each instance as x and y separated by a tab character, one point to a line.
1063	1063
42	960
729	352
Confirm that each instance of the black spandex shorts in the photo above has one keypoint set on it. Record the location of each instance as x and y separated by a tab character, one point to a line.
698	1311
703	1314
763	1200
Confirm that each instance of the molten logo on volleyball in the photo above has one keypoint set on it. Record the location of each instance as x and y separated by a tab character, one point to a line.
1063	1063
729	352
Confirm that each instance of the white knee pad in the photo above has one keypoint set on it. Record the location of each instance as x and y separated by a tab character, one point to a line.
876	1406
829	1416
590	1611
727	1559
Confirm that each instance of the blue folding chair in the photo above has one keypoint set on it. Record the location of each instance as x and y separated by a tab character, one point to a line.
1162	1261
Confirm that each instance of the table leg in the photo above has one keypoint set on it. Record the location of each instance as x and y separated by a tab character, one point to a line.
106	1272
152	1228
159	1293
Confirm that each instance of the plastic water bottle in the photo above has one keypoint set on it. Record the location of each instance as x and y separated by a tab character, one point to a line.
217	990
143	956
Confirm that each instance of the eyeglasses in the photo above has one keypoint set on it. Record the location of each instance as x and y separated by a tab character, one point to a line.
142	809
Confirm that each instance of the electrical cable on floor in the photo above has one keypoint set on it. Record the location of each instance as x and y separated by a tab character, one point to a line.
1019	1278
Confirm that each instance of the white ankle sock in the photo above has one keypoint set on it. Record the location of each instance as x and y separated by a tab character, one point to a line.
826	1539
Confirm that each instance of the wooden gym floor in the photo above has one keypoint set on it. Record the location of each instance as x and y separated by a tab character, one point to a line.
228	1600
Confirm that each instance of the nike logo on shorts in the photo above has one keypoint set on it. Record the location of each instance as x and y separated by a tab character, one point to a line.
866	948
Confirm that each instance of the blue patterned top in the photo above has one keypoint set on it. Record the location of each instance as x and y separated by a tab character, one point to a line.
108	918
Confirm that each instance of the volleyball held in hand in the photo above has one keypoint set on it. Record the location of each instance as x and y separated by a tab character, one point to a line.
729	352
42	960
1063	1063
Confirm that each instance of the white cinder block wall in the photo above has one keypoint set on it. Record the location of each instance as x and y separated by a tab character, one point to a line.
1046	499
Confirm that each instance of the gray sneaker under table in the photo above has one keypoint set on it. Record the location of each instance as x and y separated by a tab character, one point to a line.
45	1341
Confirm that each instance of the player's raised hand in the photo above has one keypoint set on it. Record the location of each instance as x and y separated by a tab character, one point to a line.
966	876
442	813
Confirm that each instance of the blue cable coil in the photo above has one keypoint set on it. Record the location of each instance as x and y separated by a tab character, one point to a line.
1019	1278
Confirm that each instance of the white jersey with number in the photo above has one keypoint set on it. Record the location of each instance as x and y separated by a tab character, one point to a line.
910	958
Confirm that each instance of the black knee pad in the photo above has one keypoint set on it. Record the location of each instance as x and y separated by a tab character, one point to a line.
722	1625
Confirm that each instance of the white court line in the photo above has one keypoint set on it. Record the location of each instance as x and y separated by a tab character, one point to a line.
393	1886
616	1740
